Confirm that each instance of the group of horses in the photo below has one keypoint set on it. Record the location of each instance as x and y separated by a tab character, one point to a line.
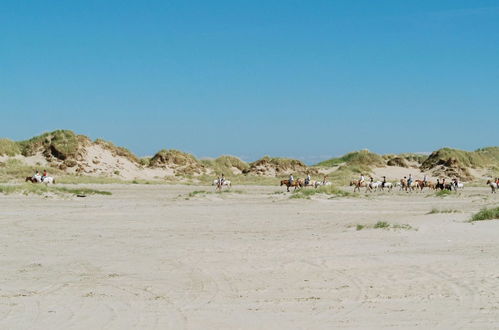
40	179
300	183
404	185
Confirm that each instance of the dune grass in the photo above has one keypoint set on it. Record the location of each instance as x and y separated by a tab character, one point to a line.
385	225
39	189
9	148
225	164
444	193
306	193
435	211
486	214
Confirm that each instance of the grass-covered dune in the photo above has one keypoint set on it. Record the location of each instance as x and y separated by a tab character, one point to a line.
39	189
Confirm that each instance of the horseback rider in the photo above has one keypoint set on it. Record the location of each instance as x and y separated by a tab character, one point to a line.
362	178
409	180
44	175
291	179
222	179
425	179
383	182
324	180
307	179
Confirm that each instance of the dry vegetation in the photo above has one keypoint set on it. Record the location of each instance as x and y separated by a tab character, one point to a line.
65	153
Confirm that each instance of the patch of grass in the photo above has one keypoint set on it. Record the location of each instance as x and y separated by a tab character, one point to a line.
299	195
16	170
443	193
9	148
326	190
486	214
361	157
381	225
403	226
435	210
197	192
385	225
39	189
225	164
77	179
61	144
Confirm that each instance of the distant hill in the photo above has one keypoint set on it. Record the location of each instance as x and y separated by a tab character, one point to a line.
67	152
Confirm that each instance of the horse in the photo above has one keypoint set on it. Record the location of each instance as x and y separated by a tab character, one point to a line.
296	183
322	183
403	184
419	184
430	185
219	186
311	183
38	179
48	180
493	186
387	185
30	179
373	186
358	184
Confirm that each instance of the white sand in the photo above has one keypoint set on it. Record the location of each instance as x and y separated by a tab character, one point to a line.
145	258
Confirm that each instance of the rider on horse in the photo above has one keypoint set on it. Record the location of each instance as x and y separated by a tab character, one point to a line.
291	179
307	179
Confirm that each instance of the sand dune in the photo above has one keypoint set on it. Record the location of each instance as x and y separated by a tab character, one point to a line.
153	257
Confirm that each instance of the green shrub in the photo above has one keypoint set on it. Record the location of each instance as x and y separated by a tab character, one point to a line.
486	214
382	225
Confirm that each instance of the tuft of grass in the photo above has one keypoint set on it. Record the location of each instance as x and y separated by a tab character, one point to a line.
486	214
381	225
197	192
435	210
299	196
402	226
385	225
443	193
39	189
327	190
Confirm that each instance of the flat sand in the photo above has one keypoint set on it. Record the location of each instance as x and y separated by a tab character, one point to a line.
151	257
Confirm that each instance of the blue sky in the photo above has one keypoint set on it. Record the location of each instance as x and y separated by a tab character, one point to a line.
302	79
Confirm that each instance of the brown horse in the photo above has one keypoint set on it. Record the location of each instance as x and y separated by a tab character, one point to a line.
296	183
430	185
358	184
420	184
30	179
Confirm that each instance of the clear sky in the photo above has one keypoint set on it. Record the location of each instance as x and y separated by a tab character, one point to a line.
303	79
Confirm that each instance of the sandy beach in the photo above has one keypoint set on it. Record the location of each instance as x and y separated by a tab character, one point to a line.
160	257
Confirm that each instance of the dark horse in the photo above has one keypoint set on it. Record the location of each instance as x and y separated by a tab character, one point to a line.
296	183
30	179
